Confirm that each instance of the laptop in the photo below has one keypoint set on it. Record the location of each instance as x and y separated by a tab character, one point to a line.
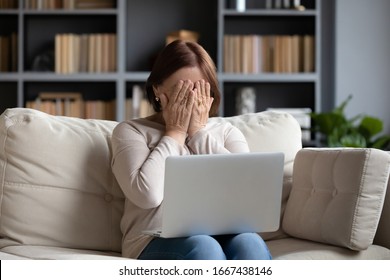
221	194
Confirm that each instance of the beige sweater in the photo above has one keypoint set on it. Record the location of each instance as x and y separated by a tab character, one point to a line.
139	152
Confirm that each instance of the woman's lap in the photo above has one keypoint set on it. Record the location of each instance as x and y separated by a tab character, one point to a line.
204	247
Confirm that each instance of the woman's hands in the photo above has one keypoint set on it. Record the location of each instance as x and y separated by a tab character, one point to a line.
186	109
177	110
201	107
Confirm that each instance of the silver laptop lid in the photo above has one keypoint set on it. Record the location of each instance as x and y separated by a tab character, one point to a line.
222	194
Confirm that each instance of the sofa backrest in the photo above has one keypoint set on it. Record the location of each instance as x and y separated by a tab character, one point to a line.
56	184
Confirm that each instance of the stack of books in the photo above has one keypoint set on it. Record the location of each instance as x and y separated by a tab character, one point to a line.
269	53
100	109
59	103
68	4
8	4
71	104
90	53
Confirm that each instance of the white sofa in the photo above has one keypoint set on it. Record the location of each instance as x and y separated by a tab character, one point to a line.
60	200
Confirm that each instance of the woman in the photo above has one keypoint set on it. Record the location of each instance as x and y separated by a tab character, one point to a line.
183	89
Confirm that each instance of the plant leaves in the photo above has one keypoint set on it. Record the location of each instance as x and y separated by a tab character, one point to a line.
370	126
353	140
342	132
340	109
327	122
381	142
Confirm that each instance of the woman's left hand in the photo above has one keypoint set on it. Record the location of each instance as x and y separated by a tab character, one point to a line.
201	107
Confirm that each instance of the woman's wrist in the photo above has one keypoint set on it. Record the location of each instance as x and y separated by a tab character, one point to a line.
177	135
192	132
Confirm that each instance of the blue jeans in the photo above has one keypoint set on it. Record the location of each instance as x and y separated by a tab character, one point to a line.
245	246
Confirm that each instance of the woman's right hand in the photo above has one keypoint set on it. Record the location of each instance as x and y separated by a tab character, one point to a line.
177	109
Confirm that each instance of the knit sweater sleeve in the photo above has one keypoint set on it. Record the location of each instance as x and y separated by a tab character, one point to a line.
218	139
138	168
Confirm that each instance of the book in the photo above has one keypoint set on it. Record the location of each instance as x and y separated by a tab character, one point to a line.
268	53
75	53
63	4
295	54
100	109
8	4
112	53
59	103
227	54
84	47
308	53
94	4
14	52
57	53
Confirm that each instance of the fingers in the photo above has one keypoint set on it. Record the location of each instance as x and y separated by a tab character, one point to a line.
181	91
211	102
191	98
203	97
186	93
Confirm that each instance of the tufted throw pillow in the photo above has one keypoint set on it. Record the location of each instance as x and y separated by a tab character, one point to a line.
56	184
337	196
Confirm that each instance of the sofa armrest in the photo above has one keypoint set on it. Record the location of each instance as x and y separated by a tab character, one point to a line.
337	196
382	236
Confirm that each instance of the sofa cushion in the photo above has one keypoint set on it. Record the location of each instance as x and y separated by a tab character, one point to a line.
299	249
271	131
56	185
337	196
56	253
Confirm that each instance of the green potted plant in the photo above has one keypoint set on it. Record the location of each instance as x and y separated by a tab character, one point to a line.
360	131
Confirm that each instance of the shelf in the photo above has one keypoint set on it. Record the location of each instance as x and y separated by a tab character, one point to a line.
9	76
9	12
81	77
143	76
268	77
137	76
269	12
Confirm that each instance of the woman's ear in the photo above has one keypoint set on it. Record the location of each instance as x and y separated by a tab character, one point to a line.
156	91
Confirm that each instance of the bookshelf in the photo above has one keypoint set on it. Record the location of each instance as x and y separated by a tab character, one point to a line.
136	47
276	87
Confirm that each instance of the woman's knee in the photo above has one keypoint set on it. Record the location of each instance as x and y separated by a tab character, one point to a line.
247	246
204	247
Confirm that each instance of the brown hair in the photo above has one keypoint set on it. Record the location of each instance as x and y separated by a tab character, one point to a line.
177	55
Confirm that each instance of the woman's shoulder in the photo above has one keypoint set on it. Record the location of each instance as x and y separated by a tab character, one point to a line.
139	126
